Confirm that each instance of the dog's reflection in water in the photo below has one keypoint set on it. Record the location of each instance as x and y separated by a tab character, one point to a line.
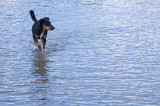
39	63
40	81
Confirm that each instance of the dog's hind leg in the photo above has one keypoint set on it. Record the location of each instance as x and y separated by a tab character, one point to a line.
34	39
39	46
37	43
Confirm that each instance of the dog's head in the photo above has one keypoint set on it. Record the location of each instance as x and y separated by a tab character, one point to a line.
46	24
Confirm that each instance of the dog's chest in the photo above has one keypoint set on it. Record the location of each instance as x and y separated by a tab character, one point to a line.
42	33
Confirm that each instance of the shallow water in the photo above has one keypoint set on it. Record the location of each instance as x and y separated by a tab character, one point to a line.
102	52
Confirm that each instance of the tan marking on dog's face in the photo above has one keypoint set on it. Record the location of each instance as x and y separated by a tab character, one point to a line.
47	27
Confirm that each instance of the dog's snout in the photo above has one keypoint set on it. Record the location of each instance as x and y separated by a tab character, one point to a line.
52	27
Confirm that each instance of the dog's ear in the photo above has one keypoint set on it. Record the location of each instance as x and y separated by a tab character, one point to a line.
46	18
42	20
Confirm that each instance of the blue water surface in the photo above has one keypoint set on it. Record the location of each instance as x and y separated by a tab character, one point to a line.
102	53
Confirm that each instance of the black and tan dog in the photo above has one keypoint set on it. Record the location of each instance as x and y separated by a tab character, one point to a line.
40	27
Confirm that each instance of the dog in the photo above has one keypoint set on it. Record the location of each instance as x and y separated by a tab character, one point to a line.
40	29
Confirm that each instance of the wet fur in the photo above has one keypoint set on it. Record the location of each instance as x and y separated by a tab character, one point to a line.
40	27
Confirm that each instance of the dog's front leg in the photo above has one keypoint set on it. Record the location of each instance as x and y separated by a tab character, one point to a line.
44	43
44	39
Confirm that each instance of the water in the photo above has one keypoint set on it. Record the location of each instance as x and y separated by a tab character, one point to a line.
102	53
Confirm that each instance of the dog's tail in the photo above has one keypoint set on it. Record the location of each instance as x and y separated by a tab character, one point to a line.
33	16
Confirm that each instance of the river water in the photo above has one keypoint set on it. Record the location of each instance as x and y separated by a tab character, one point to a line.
101	53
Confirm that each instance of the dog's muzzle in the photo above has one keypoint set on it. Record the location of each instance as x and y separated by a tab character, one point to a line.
52	27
